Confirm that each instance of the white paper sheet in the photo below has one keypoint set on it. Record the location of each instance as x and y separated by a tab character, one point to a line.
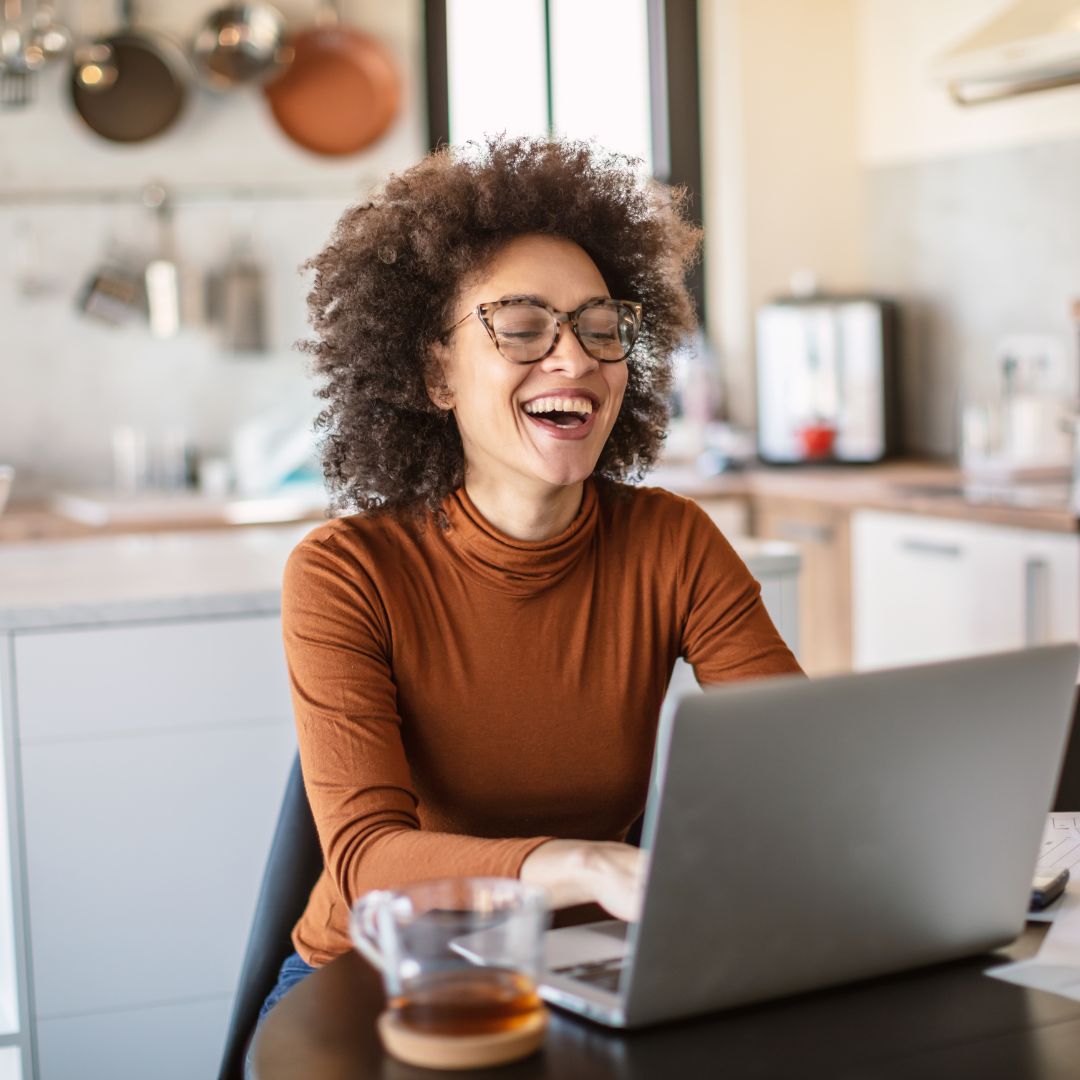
1056	966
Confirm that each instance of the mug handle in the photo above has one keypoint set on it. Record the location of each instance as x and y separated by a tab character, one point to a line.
363	927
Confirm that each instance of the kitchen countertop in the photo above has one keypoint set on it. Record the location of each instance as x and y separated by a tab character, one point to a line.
916	487
167	575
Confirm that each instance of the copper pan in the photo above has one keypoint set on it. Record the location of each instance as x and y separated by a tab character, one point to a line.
341	91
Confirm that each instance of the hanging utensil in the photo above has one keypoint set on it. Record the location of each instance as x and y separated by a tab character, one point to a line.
114	292
162	275
238	305
129	86
20	59
53	38
240	44
341	91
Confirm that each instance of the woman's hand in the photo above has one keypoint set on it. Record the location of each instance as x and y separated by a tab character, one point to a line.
583	871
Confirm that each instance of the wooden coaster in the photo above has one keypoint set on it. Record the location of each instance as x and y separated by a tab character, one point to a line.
461	1051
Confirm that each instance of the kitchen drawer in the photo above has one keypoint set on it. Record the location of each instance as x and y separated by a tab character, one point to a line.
143	860
182	1041
147	677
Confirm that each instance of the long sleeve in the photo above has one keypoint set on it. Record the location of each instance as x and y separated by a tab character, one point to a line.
727	634
339	648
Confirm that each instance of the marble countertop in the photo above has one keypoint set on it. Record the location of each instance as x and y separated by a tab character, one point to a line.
166	575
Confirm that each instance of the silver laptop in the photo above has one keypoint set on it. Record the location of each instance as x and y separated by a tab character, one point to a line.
807	833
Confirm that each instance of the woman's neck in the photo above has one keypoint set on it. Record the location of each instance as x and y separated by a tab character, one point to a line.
525	515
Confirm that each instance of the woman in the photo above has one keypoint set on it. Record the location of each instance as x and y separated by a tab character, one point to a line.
479	657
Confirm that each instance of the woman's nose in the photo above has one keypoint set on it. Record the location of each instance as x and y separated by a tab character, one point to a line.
568	356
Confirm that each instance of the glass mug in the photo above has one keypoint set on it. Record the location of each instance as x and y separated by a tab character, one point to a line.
459	956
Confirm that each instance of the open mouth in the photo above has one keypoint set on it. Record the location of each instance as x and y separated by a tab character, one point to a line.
562	417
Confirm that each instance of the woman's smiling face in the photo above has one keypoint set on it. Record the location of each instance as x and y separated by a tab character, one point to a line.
488	393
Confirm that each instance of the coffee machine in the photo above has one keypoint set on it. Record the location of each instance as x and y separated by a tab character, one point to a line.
826	379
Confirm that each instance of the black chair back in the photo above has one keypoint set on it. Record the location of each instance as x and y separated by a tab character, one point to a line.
292	868
1067	799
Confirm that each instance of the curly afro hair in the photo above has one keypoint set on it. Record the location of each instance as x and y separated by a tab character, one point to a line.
387	281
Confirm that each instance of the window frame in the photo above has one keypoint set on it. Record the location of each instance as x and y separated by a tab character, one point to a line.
673	93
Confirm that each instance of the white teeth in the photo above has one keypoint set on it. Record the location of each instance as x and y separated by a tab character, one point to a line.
551	404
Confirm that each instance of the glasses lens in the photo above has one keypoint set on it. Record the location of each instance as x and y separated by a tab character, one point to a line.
523	332
607	330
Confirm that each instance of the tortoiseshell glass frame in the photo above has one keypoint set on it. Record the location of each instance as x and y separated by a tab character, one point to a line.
484	312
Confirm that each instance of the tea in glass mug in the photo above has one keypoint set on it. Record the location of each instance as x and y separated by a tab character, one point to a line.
460	959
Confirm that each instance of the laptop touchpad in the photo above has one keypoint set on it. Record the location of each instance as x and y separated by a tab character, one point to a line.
592	943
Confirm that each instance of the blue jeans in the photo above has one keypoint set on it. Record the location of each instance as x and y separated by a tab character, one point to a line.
293	970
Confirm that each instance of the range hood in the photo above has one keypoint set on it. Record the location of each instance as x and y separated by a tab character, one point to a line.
1032	45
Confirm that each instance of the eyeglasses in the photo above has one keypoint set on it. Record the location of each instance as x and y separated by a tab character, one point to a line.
525	330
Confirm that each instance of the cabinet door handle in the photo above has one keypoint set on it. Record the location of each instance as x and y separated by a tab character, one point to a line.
804	532
932	547
1036	601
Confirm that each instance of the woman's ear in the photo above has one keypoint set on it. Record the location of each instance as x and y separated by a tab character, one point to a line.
435	377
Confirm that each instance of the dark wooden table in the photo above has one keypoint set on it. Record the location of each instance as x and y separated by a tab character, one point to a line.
948	1021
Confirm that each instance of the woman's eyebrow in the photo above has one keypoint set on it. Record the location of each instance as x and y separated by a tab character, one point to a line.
536	299
523	296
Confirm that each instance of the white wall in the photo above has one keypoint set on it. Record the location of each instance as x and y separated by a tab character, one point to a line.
904	115
972	217
66	380
782	186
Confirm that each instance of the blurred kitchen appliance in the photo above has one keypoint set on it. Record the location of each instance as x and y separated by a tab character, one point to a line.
826	379
1030	46
1024	430
272	447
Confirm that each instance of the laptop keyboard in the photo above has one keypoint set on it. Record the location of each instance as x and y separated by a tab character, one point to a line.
603	974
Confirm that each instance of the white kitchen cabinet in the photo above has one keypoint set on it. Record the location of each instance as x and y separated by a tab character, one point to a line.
927	589
150	677
180	1041
152	757
143	858
10	1063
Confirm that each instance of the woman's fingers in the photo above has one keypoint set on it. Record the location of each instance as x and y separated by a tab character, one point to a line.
577	871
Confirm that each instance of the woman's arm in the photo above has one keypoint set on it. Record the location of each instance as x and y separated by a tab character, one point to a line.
727	633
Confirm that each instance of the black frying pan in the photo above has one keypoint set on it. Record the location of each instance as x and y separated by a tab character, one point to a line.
129	86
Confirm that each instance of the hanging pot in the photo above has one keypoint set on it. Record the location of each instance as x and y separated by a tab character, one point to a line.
340	92
240	44
129	86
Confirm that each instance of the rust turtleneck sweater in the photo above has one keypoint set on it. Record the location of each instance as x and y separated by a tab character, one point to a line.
461	696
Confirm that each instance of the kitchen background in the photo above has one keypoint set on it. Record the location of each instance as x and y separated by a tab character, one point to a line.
828	146
825	147
68	197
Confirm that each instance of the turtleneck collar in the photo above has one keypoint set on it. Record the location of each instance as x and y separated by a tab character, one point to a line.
514	566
